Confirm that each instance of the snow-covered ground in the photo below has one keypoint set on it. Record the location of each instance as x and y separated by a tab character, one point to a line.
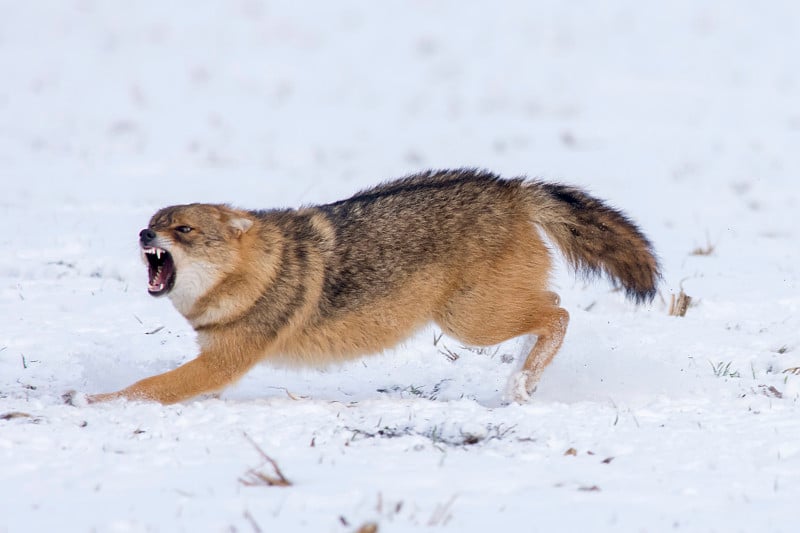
686	115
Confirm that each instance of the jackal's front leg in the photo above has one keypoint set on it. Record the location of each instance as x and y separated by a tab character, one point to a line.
207	373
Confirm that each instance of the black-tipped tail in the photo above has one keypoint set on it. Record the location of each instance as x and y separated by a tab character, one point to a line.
597	239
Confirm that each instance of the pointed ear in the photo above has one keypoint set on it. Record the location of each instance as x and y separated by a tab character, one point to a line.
240	225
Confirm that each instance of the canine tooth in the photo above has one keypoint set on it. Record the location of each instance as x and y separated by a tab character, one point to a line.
158	253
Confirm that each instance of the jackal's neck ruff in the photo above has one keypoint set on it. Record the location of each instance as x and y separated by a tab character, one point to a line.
219	292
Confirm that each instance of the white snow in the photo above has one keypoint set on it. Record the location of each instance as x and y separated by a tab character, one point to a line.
686	115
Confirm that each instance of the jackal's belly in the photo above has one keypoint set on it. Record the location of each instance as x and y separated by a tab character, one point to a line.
349	337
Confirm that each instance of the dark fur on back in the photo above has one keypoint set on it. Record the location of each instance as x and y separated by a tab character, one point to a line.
390	231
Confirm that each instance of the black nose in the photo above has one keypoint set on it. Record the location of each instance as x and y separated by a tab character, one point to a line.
146	236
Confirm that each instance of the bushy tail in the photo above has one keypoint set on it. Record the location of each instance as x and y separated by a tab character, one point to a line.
596	238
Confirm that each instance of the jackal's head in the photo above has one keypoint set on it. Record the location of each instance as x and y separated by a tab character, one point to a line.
188	249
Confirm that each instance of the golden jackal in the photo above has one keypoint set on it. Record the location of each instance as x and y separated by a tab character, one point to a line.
326	283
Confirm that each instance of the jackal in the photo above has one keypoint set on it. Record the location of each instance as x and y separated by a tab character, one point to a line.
322	284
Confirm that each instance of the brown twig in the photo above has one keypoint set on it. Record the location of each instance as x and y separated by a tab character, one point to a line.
255	478
708	249
678	306
448	353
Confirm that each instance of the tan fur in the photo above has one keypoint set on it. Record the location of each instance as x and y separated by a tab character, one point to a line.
328	283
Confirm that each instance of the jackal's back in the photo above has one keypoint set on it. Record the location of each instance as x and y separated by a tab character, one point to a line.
435	220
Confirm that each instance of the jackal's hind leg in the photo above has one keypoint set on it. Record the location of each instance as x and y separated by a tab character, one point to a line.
550	328
489	317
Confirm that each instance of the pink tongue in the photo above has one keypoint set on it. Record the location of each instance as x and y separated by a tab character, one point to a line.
159	280
156	284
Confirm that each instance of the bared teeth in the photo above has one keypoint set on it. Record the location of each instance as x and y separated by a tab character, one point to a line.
158	252
157	268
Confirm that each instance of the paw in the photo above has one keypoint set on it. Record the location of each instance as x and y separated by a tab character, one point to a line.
96	398
79	399
75	398
520	387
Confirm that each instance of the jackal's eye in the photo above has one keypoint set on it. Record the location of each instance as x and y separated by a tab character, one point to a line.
183	229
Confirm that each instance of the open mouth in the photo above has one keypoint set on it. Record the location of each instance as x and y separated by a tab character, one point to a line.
161	269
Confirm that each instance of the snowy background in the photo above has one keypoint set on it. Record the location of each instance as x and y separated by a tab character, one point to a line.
686	116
